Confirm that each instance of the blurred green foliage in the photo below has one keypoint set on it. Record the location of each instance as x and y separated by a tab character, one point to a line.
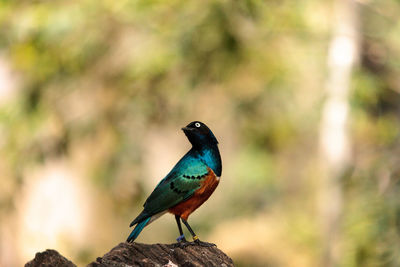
102	78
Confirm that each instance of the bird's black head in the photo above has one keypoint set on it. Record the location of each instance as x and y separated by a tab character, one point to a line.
199	134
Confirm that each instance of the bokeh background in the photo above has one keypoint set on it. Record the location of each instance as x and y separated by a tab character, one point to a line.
304	97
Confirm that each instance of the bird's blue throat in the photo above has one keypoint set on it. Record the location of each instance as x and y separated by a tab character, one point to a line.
211	157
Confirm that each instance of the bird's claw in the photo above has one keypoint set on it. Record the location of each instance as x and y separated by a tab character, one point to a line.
182	242
203	244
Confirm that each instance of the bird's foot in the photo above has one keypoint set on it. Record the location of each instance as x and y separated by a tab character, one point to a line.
196	241
182	242
203	244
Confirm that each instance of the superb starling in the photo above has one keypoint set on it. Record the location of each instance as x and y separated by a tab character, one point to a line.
188	185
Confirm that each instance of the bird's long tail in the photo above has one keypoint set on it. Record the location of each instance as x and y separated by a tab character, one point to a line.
138	228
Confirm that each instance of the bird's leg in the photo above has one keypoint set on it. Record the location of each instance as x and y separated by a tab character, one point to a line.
195	237
181	238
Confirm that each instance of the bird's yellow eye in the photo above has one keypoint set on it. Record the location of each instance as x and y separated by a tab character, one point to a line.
197	125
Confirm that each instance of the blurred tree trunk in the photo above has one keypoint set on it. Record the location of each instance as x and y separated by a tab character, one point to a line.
334	140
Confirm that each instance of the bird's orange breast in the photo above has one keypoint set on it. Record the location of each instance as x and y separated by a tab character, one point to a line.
185	208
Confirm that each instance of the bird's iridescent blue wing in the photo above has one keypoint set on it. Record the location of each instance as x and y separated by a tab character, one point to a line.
180	184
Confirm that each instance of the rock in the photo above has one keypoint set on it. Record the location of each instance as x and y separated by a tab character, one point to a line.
49	258
136	254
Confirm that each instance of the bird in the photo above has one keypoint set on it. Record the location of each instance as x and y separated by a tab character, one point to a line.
187	186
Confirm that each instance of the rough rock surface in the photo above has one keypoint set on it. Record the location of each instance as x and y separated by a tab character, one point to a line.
49	258
136	254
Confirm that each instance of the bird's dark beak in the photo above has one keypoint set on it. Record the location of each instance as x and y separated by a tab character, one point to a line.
186	129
